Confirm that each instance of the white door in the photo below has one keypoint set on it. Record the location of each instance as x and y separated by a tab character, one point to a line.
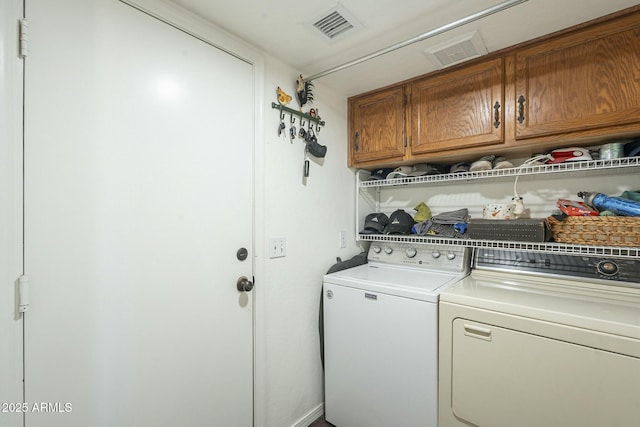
138	195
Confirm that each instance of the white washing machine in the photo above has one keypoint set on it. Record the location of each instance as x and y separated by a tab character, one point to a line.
381	335
534	339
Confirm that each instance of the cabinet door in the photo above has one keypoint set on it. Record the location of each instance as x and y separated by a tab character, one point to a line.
584	81
458	109
377	126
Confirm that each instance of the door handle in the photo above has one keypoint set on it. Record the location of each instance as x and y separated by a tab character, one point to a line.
521	109
496	115
477	332
244	284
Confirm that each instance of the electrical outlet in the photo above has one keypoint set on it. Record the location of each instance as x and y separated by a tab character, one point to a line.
342	236
277	247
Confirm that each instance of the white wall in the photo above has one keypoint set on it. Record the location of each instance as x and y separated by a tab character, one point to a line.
309	213
10	209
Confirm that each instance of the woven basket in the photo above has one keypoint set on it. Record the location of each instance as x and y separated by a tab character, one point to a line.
597	230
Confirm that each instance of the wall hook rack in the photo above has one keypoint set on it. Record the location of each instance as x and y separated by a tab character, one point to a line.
300	114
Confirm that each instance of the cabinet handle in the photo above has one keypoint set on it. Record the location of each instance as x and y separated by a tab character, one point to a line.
477	332
520	109
355	142
496	115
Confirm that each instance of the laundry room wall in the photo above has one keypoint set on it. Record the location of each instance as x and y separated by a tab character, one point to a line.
310	214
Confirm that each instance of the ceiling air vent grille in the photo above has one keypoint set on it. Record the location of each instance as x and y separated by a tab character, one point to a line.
454	51
333	25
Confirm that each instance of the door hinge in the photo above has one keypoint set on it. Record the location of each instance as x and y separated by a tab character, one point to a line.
24	37
23	293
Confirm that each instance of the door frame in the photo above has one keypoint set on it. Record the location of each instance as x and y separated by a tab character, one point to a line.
11	212
201	29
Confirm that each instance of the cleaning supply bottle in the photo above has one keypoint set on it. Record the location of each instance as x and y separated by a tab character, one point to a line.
616	205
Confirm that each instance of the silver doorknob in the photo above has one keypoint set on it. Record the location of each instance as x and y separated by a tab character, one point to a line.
244	284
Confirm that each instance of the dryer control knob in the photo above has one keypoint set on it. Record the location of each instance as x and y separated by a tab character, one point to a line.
435	254
376	249
608	268
388	250
411	252
451	255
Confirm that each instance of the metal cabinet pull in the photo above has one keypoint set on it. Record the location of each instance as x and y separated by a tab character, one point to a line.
520	109
355	141
496	115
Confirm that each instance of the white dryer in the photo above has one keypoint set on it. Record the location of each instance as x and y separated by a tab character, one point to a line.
534	339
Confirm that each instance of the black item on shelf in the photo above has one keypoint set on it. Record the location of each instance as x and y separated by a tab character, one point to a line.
375	223
400	222
512	230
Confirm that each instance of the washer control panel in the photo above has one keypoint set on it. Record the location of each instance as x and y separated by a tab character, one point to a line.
435	257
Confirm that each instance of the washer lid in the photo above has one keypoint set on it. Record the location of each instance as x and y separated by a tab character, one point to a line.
400	281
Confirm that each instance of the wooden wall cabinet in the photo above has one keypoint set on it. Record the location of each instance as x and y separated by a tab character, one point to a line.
445	112
578	87
376	126
580	82
456	110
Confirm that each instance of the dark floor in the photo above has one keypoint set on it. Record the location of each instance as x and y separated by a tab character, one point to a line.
320	422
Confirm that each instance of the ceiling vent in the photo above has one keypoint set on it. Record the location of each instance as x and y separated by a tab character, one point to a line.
336	22
458	50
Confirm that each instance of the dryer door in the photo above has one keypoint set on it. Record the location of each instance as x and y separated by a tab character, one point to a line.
505	378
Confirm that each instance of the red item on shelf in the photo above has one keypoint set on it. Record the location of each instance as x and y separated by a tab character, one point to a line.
576	208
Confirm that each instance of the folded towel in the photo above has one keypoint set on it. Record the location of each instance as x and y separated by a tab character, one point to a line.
443	224
452	217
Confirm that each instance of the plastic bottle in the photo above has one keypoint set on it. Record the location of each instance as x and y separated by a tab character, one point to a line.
616	205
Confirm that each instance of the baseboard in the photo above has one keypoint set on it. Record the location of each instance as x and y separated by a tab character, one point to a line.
310	417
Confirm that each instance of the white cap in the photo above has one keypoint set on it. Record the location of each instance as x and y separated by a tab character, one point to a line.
400	172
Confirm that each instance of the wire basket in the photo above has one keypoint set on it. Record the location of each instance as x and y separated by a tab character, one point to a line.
597	230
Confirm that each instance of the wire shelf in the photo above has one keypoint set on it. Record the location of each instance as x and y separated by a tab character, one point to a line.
609	166
461	177
619	252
